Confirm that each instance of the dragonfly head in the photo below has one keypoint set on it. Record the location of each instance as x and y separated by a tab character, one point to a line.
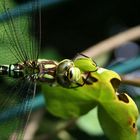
67	74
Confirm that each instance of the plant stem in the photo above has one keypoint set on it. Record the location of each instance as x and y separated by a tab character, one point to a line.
113	42
130	80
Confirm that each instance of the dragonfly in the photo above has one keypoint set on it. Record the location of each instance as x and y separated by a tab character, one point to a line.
21	70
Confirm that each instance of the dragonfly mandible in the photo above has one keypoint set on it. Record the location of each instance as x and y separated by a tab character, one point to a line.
21	69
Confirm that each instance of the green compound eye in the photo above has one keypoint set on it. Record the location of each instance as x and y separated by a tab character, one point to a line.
67	74
74	74
64	65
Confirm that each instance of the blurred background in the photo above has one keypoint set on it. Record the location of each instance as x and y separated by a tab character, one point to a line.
72	26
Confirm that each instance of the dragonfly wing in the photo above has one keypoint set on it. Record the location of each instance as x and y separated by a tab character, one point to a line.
16	108
16	40
16	45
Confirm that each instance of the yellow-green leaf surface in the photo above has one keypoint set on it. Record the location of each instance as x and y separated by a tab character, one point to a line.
106	85
69	103
118	118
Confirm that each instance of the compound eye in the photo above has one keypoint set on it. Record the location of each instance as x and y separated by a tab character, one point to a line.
68	65
65	65
74	74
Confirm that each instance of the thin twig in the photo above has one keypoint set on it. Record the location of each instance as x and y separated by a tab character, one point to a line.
130	80
113	42
33	124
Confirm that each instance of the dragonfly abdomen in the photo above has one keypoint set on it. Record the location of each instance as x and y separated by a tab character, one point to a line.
12	70
4	70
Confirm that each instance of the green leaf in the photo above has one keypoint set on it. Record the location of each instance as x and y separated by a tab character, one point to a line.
69	103
106	84
118	118
90	123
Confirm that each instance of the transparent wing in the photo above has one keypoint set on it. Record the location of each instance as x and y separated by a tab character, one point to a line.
15	36
16	45
15	102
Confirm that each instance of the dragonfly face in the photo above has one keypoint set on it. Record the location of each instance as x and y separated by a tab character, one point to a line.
67	74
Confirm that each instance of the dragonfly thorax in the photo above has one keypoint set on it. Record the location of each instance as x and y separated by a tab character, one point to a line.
47	71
